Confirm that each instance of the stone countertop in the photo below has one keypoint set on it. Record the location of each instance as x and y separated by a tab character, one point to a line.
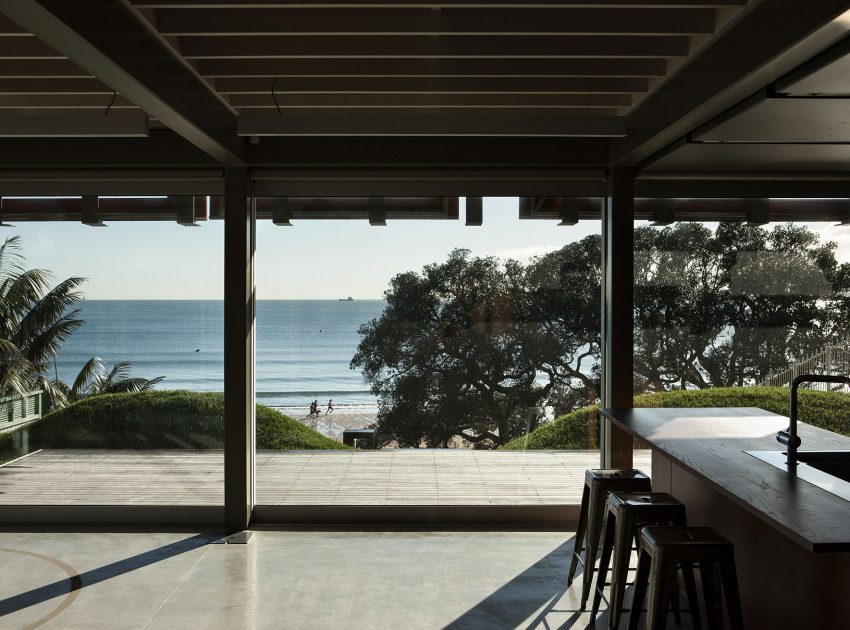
711	444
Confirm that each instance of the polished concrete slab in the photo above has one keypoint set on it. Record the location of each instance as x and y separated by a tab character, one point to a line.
390	477
290	579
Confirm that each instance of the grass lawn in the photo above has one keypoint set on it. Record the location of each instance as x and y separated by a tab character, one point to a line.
158	420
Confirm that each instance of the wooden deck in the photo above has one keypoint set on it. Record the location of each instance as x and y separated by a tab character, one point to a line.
387	477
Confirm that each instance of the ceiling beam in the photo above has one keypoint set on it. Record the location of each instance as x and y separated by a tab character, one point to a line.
768	40
480	46
444	4
396	101
423	21
337	67
163	149
425	152
430	123
424	85
127	57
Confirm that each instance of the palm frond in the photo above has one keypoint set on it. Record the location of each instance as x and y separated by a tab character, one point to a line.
119	372
55	394
45	311
88	379
16	376
133	385
45	345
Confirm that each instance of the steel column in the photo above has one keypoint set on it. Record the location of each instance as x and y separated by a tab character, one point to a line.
239	311
617	313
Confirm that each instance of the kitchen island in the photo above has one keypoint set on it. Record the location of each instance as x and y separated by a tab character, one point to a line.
792	539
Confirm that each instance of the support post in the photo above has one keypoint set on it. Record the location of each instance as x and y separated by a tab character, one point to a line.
617	313
239	310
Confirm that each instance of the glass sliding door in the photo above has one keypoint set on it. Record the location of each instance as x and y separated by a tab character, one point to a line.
426	351
112	355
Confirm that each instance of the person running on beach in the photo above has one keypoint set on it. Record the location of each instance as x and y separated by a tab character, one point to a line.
330	406
313	410
316	408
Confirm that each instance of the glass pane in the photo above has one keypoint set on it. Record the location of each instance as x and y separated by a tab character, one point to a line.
447	357
112	366
726	314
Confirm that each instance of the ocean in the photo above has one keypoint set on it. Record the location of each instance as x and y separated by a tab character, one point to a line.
303	347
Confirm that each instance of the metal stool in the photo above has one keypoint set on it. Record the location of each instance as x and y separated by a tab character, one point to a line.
598	483
625	514
662	550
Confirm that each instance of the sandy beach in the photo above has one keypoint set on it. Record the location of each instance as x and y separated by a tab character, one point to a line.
332	425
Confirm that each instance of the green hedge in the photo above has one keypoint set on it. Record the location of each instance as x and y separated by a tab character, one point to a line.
579	429
159	420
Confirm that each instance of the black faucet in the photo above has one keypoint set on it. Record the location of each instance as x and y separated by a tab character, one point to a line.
789	437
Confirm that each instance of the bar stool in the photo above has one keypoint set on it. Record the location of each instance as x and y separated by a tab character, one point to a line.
662	550
626	513
598	483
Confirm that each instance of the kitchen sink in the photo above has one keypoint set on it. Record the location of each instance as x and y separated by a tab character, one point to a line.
828	470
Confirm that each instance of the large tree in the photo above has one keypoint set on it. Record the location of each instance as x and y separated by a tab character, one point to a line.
472	347
730	307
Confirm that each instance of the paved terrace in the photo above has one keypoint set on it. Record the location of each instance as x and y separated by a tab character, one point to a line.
387	477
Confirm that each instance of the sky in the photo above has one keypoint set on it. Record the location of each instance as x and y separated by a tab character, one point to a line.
311	260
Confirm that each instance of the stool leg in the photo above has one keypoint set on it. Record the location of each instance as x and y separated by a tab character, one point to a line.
641	578
729	579
579	538
660	589
708	577
608	539
595	516
624	527
691	589
674	598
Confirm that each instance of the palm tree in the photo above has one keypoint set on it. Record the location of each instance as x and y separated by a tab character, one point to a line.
34	322
96	379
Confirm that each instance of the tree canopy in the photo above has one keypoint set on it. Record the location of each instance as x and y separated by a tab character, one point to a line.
476	346
470	347
730	307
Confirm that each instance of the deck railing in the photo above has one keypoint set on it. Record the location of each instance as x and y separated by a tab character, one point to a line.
833	358
16	410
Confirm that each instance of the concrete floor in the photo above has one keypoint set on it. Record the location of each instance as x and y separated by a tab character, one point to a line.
290	579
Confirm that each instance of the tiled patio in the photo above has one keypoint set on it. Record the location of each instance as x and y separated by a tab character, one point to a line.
386	477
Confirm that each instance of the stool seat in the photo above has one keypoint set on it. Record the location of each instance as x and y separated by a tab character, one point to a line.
626	513
662	550
614	474
598	484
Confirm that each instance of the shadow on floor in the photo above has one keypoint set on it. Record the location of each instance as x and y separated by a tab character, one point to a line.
101	574
542	584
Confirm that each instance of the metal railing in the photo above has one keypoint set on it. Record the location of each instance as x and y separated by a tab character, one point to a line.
833	358
17	410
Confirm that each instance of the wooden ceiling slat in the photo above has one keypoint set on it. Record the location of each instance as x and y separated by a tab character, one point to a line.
429	123
62	101
9	27
42	68
393	4
53	86
584	101
233	68
497	85
482	46
427	22
26	48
